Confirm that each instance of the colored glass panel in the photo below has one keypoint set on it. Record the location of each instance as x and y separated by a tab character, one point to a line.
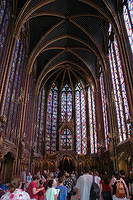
51	123
5	12
41	120
104	108
66	103
66	139
81	138
10	78
128	19
119	91
92	121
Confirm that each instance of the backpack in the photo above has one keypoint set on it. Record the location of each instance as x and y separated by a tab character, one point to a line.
120	190
95	190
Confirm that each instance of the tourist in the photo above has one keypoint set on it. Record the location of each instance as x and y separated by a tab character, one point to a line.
97	178
41	193
68	182
120	189
84	184
15	193
32	189
23	178
62	188
29	178
125	178
105	189
52	193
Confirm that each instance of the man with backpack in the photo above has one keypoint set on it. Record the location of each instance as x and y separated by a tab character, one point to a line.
120	189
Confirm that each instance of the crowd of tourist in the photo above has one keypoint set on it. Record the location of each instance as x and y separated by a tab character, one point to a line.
68	186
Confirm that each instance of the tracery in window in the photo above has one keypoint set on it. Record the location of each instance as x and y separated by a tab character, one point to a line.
80	115
66	139
66	103
119	90
104	109
92	120
51	120
128	19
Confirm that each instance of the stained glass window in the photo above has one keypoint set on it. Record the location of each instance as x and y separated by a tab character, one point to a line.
29	108
39	120
66	139
51	120
13	93
14	89
128	19
35	119
92	120
81	138
66	103
10	77
5	12
104	109
119	90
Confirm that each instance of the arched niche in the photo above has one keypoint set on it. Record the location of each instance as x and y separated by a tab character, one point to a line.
7	168
67	163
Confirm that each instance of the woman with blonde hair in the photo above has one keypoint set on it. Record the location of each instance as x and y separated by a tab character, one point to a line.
15	193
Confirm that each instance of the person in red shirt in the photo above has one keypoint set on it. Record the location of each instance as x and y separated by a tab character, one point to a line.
105	190
33	190
41	193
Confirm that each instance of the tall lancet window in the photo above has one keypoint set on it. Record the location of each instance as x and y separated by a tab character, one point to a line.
13	91
40	121
5	13
11	77
92	120
104	109
51	121
80	117
66	103
119	90
128	19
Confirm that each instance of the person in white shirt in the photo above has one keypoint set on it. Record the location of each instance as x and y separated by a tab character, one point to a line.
84	184
97	178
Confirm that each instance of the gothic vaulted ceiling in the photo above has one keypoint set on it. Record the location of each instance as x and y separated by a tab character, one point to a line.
66	35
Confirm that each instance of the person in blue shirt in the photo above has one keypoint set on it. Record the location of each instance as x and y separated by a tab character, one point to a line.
4	187
29	178
63	189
